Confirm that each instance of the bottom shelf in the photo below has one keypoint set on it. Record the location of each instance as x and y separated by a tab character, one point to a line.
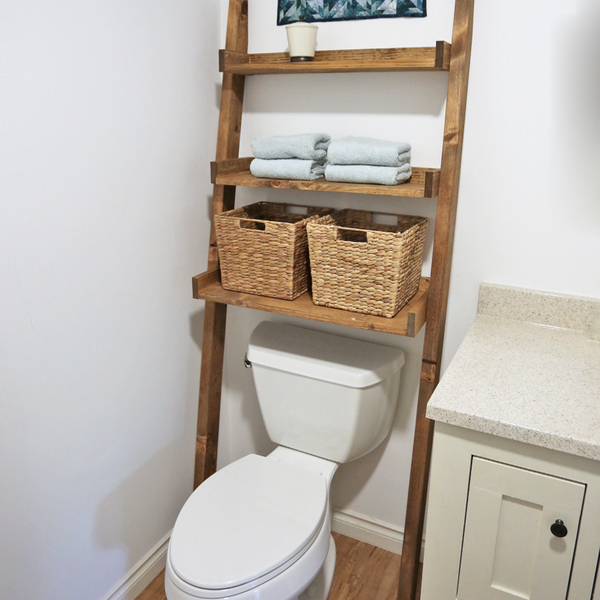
408	322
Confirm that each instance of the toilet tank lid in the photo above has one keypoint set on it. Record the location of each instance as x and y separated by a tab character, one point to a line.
327	357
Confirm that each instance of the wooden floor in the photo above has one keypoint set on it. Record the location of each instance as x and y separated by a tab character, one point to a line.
362	572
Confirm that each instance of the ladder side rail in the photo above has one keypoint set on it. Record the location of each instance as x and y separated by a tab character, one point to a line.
215	315
458	80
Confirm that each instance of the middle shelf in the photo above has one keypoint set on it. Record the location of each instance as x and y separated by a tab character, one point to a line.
408	322
424	183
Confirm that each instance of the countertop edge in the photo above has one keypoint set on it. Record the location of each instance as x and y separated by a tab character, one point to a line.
532	437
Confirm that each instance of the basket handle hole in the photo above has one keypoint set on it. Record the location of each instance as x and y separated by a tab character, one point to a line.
347	235
252	225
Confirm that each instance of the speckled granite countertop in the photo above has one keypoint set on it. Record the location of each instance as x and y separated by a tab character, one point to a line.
528	370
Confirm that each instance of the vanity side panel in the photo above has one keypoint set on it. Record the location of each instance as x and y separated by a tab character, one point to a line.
596	594
448	491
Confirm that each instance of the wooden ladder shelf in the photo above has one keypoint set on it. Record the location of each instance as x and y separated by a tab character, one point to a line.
430	303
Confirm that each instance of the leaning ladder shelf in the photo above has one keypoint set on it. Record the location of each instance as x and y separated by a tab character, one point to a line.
430	303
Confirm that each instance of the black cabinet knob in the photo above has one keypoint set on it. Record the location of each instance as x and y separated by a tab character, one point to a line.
559	529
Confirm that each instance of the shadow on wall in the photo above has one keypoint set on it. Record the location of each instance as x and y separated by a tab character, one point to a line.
197	325
349	93
240	411
209	209
577	89
339	93
125	520
244	416
353	477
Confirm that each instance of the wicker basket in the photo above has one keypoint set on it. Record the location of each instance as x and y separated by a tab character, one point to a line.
263	249
364	267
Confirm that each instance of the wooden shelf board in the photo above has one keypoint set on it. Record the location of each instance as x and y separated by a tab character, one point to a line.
424	183
408	322
380	60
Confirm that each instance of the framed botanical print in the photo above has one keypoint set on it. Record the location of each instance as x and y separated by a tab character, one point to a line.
292	11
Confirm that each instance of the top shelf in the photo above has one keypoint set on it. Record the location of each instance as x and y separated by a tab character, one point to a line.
379	60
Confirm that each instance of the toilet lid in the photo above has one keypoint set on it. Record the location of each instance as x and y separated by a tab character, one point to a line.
245	521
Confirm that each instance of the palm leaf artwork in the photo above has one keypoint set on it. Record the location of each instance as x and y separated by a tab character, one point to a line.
292	11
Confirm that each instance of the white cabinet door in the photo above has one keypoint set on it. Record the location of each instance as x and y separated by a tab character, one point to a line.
509	551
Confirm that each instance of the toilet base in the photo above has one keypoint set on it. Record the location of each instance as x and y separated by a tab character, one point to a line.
320	586
318	589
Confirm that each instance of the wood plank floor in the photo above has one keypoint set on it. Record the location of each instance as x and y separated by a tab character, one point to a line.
362	572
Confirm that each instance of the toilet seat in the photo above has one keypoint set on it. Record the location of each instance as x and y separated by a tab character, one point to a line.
245	525
285	585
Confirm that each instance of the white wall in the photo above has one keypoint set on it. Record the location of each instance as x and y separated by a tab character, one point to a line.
529	212
108	121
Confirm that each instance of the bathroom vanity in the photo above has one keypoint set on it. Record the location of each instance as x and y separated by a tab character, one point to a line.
514	501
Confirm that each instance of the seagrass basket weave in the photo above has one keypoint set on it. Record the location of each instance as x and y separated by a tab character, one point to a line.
365	267
263	249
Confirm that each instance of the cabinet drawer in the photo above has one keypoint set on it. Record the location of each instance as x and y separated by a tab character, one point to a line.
509	552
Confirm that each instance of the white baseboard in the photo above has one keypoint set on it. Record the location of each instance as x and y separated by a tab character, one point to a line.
142	574
371	531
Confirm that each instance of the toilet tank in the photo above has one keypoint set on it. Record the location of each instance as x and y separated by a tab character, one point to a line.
324	394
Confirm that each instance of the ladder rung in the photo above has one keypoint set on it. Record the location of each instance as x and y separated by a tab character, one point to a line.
376	60
408	322
424	183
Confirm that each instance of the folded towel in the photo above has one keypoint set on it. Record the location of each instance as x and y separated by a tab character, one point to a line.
367	151
291	168
368	174
308	146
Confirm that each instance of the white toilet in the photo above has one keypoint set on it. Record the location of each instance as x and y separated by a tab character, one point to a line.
260	528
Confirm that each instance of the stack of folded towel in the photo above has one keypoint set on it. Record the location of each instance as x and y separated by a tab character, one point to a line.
290	157
365	160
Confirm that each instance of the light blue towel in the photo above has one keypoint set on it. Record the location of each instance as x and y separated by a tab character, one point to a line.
368	174
368	151
308	146
291	168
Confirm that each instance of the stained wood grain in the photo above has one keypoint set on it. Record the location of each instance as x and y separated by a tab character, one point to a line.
424	183
435	58
362	572
156	590
456	106
407	322
213	341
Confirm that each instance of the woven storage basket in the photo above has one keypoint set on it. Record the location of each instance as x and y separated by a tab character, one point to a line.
364	267
263	249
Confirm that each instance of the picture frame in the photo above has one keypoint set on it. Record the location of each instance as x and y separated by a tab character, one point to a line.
312	11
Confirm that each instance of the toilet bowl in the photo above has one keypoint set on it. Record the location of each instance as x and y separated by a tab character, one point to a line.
260	528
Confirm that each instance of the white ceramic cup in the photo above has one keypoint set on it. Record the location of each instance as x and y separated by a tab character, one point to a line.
302	38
